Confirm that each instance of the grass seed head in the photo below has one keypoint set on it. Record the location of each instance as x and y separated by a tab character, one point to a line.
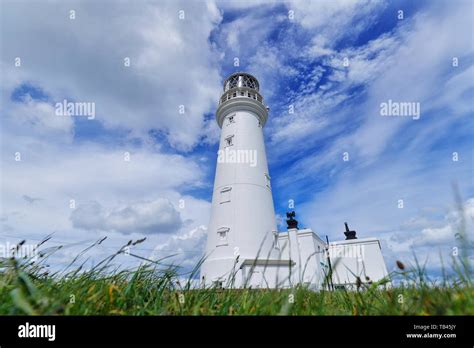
400	265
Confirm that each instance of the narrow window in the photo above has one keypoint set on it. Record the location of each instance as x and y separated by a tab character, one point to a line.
225	194
229	141
230	120
275	240
222	236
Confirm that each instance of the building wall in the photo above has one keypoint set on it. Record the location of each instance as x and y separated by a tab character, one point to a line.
307	250
308	256
356	258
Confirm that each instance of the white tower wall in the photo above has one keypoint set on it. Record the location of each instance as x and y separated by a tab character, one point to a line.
242	214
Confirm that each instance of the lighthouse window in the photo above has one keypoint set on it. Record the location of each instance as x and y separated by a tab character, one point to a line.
225	194
229	141
275	240
231	120
222	234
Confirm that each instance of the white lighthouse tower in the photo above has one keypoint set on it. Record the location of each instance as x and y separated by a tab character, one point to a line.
242	234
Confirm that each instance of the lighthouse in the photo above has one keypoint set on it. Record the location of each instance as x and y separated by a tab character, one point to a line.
244	248
242	232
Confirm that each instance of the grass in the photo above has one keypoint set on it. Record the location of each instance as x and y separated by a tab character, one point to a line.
154	288
27	288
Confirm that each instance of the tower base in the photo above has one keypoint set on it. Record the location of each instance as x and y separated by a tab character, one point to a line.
303	259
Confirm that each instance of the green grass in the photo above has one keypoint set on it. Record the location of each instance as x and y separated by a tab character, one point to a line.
27	288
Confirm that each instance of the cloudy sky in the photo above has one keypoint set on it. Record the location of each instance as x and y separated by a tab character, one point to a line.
141	167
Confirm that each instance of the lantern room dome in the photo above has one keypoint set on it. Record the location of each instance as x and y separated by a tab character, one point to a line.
241	79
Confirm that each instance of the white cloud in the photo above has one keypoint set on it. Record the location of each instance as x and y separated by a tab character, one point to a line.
39	117
171	61
334	20
436	236
172	64
187	248
158	216
386	68
138	197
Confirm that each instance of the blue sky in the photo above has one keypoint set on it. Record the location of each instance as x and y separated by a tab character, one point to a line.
297	50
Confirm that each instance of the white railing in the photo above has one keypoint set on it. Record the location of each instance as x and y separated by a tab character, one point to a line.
241	92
